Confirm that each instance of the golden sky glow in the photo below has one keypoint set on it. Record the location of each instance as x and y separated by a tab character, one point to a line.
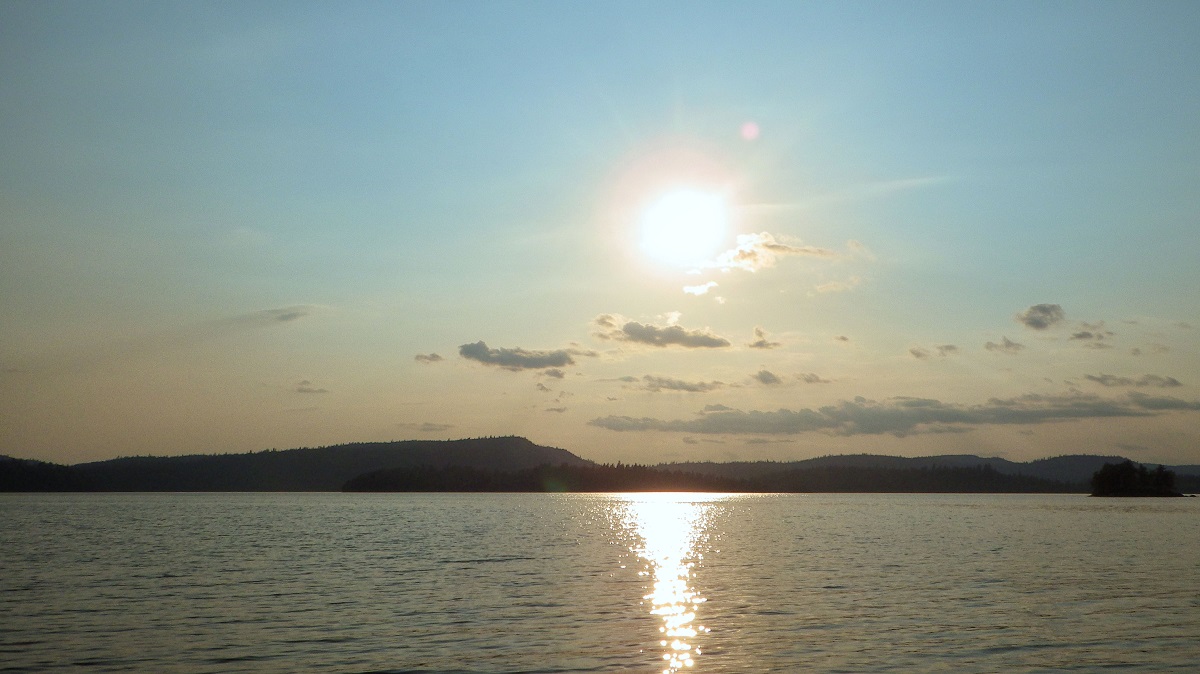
643	233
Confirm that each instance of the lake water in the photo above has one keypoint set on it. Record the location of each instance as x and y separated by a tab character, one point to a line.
598	583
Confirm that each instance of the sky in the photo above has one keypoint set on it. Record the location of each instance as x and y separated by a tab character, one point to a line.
642	232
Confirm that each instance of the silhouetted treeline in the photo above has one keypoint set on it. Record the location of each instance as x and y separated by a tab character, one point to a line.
561	478
927	480
509	463
1129	479
644	478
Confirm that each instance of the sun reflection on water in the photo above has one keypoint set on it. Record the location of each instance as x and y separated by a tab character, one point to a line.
670	530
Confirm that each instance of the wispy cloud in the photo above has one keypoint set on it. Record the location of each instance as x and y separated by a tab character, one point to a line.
701	289
428	358
903	416
813	378
839	286
173	338
427	427
615	328
1146	380
943	351
760	251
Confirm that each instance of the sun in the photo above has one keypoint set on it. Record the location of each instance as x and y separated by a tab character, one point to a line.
685	227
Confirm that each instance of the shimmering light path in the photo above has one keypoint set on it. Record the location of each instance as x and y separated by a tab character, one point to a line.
671	530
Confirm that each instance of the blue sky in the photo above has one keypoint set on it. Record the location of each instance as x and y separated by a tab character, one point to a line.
228	227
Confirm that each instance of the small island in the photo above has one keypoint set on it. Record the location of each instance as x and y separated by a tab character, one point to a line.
1129	479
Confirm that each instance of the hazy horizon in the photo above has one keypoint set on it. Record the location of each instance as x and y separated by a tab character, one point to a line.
676	232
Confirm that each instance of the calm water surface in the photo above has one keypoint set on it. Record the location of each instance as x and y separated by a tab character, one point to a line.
597	583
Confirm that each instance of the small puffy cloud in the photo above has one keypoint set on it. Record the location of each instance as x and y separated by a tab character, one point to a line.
766	377
427	358
618	329
841	338
656	384
761	341
516	358
701	289
762	250
1093	336
1146	380
812	378
904	416
306	386
543	388
1005	346
554	373
1041	316
943	350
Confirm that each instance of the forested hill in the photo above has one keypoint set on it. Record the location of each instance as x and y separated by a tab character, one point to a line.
311	468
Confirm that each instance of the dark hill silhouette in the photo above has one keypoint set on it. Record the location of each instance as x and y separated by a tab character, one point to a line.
29	475
313	468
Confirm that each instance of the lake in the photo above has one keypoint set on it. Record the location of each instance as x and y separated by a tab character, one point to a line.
598	583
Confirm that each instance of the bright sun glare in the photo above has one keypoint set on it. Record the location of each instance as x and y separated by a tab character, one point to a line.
685	227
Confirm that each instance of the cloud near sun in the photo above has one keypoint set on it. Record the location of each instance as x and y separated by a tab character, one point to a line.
616	328
903	416
762	250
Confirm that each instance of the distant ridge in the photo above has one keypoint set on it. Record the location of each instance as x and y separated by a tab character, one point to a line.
312	468
329	468
1071	469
